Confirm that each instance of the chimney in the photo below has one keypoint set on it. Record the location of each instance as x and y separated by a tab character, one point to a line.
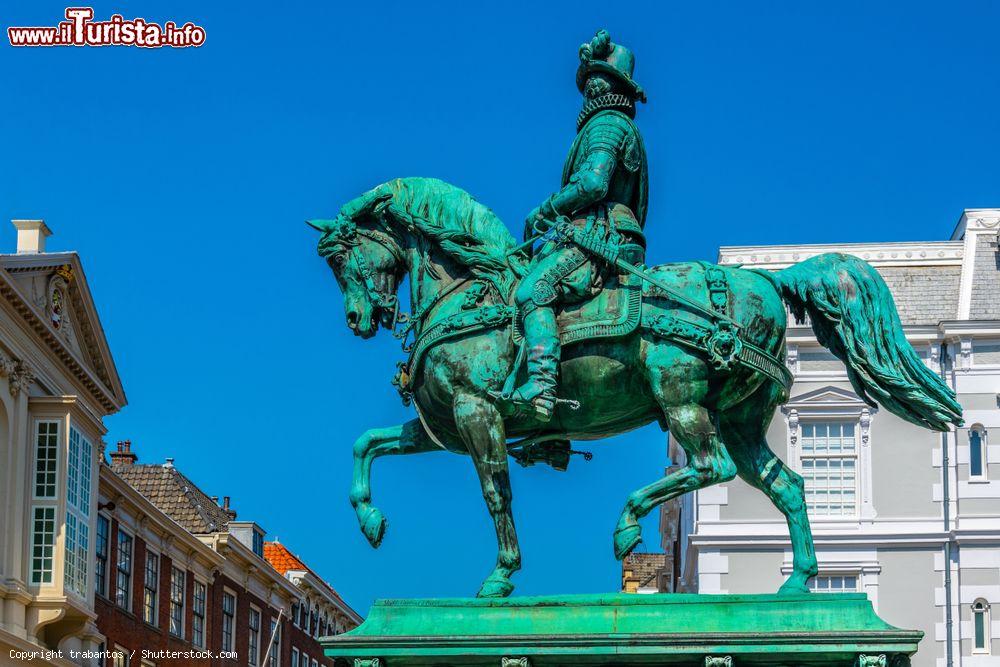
225	507
124	455
169	463
31	235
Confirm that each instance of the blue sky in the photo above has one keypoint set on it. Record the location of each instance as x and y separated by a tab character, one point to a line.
183	176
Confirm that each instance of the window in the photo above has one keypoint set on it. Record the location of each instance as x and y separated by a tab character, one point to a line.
834	584
198	614
258	543
980	626
314	622
295	657
150	588
120	656
46	455
304	615
829	467
274	655
177	581
228	620
123	580
254	642
303	660
77	543
101	566
43	540
295	614
977	452
78	472
314	663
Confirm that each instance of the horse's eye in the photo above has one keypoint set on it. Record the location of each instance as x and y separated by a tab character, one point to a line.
338	259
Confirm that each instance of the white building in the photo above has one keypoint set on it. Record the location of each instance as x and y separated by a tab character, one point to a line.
57	383
890	503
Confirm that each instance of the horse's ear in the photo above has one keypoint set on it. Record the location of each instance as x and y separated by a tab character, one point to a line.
321	225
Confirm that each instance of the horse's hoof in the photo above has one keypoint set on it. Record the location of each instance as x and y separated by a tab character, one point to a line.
495	586
792	587
372	525
627	538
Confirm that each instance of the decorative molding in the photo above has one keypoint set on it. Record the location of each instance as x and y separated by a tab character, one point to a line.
19	375
522	661
865	422
906	253
871	660
367	662
718	661
793	427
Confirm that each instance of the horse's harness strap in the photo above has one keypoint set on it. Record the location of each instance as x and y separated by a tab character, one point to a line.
720	341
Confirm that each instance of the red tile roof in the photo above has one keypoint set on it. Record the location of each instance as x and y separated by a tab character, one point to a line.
283	560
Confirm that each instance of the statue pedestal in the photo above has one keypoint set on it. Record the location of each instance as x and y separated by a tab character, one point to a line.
627	629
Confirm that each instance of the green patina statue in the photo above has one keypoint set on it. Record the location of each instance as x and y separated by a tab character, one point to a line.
697	347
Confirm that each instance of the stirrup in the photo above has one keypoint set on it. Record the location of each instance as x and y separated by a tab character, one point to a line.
543	405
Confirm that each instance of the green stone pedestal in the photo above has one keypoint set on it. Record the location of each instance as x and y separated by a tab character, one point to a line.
626	629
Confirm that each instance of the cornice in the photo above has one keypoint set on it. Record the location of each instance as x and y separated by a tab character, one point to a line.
54	341
902	253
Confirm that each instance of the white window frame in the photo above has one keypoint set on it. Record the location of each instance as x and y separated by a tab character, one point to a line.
295	657
234	616
107	555
833	404
831	576
155	622
55	461
38	576
973	344
984	472
273	655
183	601
204	613
253	636
123	653
987	648
131	568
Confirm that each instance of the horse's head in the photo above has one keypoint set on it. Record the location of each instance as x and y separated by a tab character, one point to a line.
367	262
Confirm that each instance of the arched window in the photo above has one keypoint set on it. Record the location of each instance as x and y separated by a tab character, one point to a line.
977	451
980	626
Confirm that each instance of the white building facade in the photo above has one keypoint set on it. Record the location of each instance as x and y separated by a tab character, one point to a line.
908	516
57	383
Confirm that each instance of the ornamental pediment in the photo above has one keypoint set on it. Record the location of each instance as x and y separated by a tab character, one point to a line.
51	292
825	397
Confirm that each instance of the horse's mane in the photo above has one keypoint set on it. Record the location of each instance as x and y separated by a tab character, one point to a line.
469	232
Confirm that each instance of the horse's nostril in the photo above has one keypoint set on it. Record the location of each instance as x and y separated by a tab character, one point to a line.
352	319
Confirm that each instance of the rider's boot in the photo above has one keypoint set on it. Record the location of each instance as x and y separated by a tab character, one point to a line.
542	338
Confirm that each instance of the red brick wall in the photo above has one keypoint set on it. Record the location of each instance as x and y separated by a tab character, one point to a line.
128	630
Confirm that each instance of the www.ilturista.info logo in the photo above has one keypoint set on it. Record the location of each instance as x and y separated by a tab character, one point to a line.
81	30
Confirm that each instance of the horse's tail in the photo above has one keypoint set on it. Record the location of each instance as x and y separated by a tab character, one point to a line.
853	314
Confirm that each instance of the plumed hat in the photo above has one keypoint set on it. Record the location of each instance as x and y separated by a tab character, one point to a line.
601	56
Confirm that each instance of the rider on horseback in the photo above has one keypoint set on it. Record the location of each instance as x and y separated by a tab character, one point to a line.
604	193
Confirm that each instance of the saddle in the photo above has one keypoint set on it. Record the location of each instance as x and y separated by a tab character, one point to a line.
614	311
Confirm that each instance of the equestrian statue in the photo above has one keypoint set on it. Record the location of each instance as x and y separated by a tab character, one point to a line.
513	353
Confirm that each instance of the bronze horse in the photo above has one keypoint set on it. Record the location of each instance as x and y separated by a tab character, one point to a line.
462	264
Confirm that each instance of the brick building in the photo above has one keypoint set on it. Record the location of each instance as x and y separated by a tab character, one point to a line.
176	570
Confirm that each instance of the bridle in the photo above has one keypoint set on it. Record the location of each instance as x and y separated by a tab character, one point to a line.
381	299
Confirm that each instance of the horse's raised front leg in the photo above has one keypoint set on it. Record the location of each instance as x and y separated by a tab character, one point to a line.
708	463
408	438
481	428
